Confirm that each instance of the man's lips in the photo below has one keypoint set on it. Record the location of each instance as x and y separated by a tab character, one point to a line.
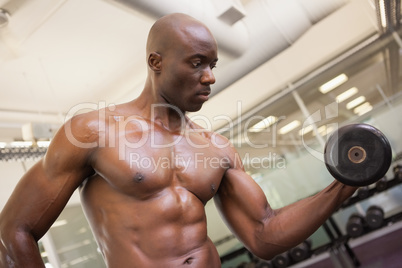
204	94
205	91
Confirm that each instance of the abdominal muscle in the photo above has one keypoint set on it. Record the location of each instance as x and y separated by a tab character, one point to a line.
131	256
167	229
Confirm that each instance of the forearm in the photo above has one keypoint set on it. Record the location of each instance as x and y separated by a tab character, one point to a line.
294	223
19	250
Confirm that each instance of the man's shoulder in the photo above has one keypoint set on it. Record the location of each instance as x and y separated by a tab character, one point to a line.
216	138
89	119
106	115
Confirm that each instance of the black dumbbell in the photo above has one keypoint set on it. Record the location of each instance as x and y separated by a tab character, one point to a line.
381	185
357	154
363	192
355	225
301	251
281	260
264	264
374	217
398	172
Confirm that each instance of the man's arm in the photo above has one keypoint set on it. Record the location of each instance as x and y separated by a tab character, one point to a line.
38	199
267	232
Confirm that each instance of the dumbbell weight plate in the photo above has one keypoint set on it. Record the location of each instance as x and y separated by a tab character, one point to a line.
374	217
355	225
264	264
357	154
381	185
398	172
281	261
300	252
363	192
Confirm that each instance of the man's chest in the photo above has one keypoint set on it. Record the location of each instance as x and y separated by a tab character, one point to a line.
147	166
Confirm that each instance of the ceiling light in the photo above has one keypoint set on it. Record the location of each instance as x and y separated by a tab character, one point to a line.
321	130
263	124
382	14
324	130
59	223
43	143
333	83
346	95
21	144
305	130
289	127
362	109
355	102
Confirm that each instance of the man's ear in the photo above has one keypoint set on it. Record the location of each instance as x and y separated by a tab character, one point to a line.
155	62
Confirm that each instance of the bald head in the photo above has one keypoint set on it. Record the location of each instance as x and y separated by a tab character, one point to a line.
171	29
181	53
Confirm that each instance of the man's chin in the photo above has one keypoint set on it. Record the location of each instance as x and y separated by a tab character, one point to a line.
194	108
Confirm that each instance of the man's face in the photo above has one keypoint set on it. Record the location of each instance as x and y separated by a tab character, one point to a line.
186	73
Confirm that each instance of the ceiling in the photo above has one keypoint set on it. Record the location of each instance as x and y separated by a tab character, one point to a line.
58	57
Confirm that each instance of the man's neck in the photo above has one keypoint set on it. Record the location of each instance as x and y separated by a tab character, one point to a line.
158	110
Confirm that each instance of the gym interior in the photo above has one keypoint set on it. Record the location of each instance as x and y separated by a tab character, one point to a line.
300	68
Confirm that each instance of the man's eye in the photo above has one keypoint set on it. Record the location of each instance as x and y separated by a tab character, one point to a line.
197	64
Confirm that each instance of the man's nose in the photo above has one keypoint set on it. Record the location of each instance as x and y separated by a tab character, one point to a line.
208	77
